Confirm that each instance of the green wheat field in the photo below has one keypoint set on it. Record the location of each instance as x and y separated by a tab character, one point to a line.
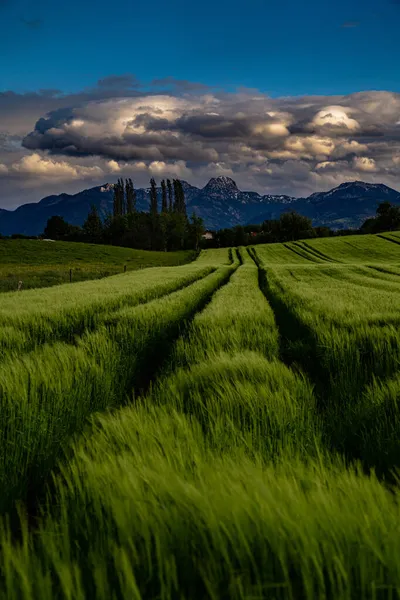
224	429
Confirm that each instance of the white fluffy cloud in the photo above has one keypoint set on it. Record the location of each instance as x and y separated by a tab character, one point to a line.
365	164
38	166
336	116
277	145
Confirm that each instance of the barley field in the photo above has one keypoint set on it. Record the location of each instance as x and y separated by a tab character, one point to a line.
223	429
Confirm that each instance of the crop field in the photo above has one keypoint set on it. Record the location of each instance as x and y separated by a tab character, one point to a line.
224	429
28	264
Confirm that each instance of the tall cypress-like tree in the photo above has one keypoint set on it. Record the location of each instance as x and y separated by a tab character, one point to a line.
179	204
133	191
176	196
182	203
164	202
123	200
115	200
170	196
130	197
119	200
153	198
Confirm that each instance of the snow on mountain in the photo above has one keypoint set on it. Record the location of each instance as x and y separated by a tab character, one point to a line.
220	203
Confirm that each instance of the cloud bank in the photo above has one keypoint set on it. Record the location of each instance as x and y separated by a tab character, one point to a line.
51	142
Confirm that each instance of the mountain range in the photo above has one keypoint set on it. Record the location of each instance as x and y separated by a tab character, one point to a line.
220	203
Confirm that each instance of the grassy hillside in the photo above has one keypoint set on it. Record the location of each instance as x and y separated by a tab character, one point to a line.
43	264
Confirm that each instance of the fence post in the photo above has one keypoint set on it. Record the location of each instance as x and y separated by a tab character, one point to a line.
70	275
124	268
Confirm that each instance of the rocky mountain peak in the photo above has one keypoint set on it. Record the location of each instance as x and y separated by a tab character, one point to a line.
107	187
222	183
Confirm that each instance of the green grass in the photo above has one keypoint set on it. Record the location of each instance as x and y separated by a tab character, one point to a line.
34	317
238	318
227	429
216	256
42	264
356	249
39	412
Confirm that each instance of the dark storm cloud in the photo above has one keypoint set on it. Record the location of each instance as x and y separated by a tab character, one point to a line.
150	122
213	126
271	129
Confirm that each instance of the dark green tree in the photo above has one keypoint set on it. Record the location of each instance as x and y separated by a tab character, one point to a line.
179	203
93	226
119	199
293	226
241	237
196	230
154	216
115	228
57	228
153	198
164	201
130	195
388	217
164	220
170	196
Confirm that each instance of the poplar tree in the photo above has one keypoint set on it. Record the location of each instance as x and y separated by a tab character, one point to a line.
179	204
153	198
130	197
119	201
164	203
170	196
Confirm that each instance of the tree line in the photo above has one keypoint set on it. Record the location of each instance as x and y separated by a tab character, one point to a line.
292	226
289	227
168	229
387	219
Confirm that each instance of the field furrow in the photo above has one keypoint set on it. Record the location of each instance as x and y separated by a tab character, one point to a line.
344	333
303	252
227	391
61	313
251	448
46	395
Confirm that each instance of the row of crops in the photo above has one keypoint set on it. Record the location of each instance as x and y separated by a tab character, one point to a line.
224	429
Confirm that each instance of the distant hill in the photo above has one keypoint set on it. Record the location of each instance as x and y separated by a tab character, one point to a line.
220	203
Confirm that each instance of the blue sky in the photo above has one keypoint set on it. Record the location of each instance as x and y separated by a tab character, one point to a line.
282	47
295	97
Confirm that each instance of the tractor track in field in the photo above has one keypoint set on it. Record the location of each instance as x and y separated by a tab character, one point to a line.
89	325
297	347
154	359
317	253
388	239
310	258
